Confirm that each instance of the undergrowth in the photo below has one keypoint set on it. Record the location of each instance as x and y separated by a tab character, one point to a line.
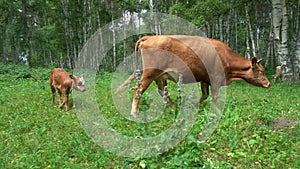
259	128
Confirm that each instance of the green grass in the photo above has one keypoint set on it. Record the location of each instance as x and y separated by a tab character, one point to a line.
257	129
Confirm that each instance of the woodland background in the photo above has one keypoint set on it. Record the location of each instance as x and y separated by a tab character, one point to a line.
44	33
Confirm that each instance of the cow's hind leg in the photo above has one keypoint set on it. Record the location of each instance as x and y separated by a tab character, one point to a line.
205	93
140	89
138	92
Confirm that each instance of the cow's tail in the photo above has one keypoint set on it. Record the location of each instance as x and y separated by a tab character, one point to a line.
132	76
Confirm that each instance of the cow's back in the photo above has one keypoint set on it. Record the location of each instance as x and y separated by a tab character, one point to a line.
197	53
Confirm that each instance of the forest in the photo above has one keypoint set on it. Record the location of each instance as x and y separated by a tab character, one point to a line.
256	128
43	33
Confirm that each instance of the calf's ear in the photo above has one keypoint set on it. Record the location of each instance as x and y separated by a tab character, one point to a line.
71	76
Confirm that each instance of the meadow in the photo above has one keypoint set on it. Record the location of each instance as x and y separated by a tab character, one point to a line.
259	128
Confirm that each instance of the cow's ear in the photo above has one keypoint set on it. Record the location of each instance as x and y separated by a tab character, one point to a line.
71	76
254	61
259	61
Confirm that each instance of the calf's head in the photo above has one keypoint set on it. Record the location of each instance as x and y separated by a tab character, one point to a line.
256	75
78	83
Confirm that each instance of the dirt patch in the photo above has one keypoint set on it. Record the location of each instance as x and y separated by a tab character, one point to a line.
283	122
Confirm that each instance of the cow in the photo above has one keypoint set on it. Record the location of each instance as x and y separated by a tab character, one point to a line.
195	59
64	83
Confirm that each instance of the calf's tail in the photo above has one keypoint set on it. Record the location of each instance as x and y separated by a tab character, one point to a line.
132	76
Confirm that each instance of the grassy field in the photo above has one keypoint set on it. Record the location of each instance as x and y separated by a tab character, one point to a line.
259	128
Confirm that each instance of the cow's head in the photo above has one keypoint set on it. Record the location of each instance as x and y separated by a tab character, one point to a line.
257	74
78	83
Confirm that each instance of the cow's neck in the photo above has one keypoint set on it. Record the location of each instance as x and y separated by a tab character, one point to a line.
239	70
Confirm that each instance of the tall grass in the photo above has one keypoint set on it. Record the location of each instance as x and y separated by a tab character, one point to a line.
259	128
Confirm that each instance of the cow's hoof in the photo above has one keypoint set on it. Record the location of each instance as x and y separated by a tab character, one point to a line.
134	113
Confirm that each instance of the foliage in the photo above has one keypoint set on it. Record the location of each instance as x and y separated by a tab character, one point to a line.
44	33
35	134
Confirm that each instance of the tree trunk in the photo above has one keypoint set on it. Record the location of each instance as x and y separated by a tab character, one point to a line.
284	58
27	31
221	29
276	19
280	24
247	54
251	33
114	64
229	27
66	30
124	39
102	49
296	63
4	56
236	30
269	60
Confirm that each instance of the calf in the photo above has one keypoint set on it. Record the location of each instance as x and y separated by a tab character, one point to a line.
64	83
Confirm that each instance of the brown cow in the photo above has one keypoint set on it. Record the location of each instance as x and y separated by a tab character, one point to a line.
196	59
64	83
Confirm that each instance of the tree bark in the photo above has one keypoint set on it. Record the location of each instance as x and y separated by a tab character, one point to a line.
220	23
247	54
251	33
114	39
4	40
27	31
269	54
280	25
296	63
284	58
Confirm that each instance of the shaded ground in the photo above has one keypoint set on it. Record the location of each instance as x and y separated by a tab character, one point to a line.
283	122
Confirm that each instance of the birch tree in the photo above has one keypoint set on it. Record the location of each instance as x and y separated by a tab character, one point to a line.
296	63
27	30
280	25
251	33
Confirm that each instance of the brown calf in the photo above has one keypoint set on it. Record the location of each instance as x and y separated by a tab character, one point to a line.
64	83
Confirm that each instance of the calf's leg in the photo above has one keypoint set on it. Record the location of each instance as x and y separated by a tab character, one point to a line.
66	101
53	94
60	104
